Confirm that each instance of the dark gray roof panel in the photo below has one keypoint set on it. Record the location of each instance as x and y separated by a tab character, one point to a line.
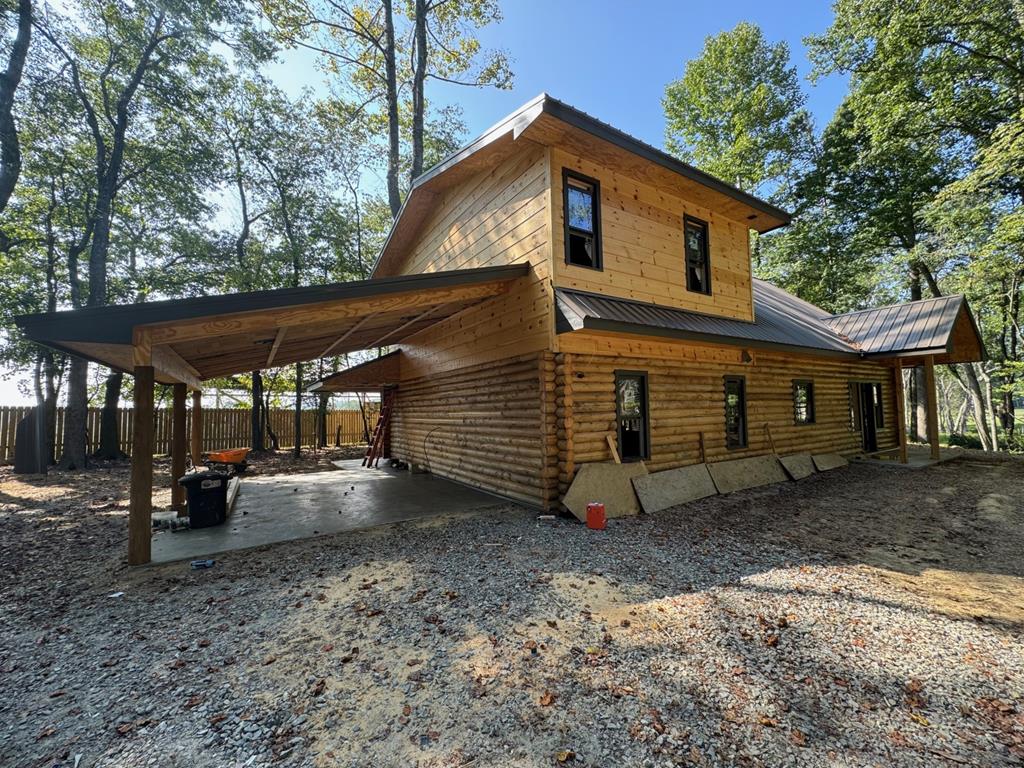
782	321
914	326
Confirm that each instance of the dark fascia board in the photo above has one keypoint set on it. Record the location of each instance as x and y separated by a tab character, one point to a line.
518	122
637	329
114	324
317	384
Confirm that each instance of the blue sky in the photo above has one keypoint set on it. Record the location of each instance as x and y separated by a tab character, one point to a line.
611	59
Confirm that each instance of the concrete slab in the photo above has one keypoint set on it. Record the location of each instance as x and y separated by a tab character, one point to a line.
275	508
661	490
798	466
607	482
826	461
741	474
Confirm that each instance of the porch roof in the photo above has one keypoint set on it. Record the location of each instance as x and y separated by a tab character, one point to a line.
189	340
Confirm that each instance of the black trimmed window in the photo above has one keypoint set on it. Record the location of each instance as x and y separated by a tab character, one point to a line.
631	415
803	401
695	247
581	202
735	412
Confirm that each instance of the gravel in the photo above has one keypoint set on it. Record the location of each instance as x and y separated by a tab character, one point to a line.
704	635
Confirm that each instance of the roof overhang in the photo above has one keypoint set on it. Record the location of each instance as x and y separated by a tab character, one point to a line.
547	121
383	371
190	340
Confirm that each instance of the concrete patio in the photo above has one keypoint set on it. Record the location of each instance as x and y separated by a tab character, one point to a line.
275	508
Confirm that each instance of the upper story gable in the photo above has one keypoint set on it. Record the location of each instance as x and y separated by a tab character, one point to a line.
591	208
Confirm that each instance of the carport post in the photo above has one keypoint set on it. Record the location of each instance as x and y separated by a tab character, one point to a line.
178	443
933	406
901	416
140	505
197	426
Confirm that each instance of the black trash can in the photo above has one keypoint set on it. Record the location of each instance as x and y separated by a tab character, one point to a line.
207	494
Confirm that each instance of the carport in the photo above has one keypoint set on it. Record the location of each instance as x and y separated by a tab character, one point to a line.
185	342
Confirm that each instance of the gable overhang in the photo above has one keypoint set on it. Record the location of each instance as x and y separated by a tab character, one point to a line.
546	121
192	340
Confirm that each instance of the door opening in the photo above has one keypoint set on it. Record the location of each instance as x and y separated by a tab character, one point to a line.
631	415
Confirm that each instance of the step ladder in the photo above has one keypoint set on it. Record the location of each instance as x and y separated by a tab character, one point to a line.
376	447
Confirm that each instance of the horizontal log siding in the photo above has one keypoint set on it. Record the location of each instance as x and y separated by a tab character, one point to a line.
642	245
687	398
483	425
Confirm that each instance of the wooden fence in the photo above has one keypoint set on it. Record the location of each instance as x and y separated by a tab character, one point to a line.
222	428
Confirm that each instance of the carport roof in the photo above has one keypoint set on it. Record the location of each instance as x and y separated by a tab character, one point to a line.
189	340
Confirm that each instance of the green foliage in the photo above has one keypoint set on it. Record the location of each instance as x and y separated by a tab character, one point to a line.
738	112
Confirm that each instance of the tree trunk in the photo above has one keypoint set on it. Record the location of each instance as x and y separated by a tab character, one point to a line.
257	407
10	151
77	411
419	78
391	79
921	395
110	433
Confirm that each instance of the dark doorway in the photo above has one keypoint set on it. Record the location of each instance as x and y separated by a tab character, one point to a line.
869	406
631	415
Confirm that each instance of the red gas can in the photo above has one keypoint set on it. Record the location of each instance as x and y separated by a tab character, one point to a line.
595	516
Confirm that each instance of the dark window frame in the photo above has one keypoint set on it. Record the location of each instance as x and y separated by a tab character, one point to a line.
880	410
811	414
687	220
567	174
744	437
646	406
853	394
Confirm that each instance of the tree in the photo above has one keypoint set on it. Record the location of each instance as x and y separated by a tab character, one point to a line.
738	113
10	150
952	76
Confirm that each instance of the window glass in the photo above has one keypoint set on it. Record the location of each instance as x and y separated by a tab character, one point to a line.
877	397
581	206
582	222
735	413
696	244
803	402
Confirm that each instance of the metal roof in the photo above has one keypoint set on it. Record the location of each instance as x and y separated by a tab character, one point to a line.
782	321
916	326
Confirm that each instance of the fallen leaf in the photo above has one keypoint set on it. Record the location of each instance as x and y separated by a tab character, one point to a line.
548	699
798	737
269	660
565	756
318	687
920	719
768	722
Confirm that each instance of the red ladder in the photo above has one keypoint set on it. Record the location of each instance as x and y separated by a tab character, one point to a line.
376	447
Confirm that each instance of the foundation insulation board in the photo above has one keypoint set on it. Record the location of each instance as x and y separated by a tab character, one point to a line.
672	487
741	474
608	483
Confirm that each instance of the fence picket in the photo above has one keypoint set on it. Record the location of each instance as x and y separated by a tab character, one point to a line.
222	428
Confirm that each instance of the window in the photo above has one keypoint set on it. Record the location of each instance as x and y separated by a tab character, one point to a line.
631	414
803	402
582	205
876	391
698	272
735	412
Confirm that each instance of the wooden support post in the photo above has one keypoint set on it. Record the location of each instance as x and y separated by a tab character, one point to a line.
197	427
140	505
178	443
901	414
933	406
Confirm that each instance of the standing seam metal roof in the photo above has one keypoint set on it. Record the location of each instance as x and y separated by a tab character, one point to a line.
916	325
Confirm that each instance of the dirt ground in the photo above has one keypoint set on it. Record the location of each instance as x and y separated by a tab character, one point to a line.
870	616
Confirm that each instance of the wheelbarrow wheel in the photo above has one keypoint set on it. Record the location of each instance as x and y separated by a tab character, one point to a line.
241	467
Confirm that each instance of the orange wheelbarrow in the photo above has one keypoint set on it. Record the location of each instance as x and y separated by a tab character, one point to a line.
232	460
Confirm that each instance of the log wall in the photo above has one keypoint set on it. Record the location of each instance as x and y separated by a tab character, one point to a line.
687	398
486	425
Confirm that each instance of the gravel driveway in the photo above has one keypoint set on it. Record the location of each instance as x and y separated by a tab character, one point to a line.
742	630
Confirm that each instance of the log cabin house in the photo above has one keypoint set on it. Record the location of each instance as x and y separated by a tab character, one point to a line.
553	283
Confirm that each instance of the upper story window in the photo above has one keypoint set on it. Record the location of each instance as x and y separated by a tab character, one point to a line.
698	270
582	205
